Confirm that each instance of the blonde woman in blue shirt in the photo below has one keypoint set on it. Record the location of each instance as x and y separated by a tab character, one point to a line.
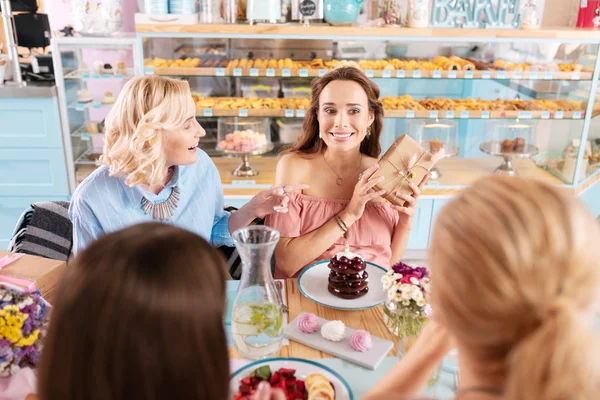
152	170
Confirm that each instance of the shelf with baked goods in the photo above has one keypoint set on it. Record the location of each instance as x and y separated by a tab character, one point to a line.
88	157
79	74
402	107
439	67
86	131
388	73
96	103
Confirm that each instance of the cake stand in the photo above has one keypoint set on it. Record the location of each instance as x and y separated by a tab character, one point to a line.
245	170
495	149
450	150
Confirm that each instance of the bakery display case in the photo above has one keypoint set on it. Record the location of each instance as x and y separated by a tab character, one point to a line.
470	91
90	73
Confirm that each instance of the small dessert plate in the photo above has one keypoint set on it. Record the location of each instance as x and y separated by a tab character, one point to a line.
370	359
303	369
313	281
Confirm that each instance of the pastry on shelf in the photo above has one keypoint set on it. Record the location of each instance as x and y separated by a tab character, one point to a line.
465	65
98	67
348	278
107	69
246	141
121	68
519	145
446	63
93	156
435	146
84	68
507	146
91	127
84	96
179	63
108	98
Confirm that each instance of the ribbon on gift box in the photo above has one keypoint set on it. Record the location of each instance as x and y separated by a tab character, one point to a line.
408	161
405	172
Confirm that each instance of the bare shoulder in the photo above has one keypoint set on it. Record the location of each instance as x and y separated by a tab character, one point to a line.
293	168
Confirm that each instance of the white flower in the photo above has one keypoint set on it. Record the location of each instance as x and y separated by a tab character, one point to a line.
391	294
397	276
421	303
414	281
387	285
426	280
406	295
426	287
398	297
417	295
406	303
405	287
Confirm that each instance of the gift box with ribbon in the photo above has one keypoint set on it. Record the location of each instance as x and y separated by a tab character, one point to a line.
404	162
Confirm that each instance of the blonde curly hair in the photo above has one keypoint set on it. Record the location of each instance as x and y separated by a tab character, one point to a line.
134	146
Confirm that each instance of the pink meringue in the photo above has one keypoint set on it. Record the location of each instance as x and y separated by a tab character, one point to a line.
361	341
308	323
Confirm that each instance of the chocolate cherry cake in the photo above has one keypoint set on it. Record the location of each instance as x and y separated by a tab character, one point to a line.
347	276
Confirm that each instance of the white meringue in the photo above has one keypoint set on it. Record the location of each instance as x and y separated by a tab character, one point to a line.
334	331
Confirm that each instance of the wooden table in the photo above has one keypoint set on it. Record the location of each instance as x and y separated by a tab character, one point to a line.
370	320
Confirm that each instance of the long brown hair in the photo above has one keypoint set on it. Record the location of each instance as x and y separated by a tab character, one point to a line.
515	275
309	141
139	315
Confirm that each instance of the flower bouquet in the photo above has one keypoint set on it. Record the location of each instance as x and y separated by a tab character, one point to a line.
24	320
406	308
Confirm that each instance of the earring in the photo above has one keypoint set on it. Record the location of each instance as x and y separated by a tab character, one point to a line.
320	135
368	131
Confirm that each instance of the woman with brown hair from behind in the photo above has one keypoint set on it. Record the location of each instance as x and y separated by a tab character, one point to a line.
515	281
139	315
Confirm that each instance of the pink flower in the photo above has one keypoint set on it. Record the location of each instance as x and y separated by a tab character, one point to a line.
406	278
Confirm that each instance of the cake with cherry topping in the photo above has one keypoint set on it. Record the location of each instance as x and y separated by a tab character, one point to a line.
348	278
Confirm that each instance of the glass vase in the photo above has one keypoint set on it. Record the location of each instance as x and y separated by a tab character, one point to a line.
257	317
406	324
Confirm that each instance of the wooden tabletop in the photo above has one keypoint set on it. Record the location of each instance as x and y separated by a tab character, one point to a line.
370	320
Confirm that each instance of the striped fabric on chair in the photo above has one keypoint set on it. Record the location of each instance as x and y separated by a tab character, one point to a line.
45	231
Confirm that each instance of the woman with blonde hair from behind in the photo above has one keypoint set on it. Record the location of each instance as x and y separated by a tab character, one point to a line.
515	269
153	171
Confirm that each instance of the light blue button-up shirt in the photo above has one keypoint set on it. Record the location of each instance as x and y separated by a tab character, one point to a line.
103	204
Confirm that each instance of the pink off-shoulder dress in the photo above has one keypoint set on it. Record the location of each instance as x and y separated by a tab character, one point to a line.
370	236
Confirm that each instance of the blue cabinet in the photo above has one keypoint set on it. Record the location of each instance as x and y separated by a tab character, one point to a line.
33	172
591	198
419	235
30	123
32	158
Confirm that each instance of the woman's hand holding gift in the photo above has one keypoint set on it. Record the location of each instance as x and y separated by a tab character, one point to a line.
362	194
410	207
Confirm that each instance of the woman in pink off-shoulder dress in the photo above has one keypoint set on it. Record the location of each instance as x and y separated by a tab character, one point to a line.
335	155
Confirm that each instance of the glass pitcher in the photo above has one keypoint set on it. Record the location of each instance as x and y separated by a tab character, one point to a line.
257	317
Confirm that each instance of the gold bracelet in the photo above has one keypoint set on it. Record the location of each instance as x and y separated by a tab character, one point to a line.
341	224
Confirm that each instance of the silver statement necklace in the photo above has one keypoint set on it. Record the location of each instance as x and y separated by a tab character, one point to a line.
162	211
